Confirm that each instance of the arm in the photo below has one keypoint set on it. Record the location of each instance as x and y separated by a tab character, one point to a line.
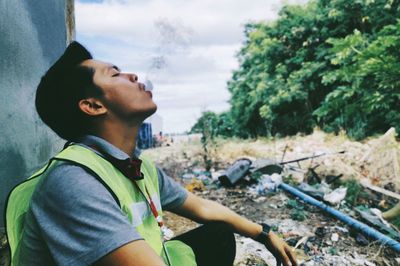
202	211
81	223
137	253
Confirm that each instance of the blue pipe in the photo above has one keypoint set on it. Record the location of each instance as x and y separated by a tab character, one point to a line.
368	231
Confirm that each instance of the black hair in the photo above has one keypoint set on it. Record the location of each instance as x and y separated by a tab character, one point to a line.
61	89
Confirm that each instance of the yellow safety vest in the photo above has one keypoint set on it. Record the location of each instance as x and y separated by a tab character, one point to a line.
123	190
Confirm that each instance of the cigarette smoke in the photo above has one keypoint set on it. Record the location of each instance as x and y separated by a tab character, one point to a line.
174	38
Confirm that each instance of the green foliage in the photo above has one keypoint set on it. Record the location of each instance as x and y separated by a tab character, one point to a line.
396	222
207	125
297	210
332	64
353	191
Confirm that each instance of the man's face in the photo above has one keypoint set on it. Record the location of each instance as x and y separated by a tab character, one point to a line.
123	96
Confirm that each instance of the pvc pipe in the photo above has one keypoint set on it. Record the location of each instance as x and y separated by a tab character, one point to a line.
365	229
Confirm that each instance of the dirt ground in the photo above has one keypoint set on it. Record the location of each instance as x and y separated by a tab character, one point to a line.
317	239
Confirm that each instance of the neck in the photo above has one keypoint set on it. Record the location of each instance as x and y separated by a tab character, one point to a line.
121	136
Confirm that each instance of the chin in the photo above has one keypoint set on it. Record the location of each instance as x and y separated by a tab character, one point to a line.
150	111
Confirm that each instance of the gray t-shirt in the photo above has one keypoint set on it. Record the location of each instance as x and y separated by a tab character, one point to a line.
74	220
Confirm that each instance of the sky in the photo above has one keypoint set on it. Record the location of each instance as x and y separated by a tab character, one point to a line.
186	48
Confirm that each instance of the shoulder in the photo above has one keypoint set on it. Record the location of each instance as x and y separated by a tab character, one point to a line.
66	184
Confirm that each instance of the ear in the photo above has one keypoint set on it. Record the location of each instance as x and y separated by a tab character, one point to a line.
92	107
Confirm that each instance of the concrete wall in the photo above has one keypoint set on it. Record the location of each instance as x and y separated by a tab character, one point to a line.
33	36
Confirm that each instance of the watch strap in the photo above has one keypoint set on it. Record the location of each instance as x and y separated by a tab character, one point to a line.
263	236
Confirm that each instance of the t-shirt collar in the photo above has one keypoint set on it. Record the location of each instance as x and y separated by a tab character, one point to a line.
107	147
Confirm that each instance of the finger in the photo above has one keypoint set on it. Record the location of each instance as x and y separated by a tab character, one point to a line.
286	261
291	256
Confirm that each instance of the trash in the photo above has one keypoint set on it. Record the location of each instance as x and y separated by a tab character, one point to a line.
266	166
320	231
374	217
260	199
341	229
317	191
335	237
393	213
361	239
395	245
378	214
195	185
312	177
311	157
332	178
267	184
235	172
188	176
336	196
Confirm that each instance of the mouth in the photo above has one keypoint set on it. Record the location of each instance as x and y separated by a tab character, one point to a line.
149	92
142	86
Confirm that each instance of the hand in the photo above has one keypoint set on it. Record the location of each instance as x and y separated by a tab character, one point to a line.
281	251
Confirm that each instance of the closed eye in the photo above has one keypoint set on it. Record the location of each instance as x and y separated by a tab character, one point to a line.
116	71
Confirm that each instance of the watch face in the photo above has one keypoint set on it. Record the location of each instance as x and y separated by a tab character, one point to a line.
266	228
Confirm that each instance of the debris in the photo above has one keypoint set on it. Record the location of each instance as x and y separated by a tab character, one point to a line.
235	172
335	237
317	191
301	241
336	196
266	166
332	178
361	239
312	177
374	218
260	199
195	185
311	157
341	229
393	213
366	183
267	184
320	231
321	247
344	218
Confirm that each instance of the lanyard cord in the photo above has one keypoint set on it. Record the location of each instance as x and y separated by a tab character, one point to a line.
158	218
149	202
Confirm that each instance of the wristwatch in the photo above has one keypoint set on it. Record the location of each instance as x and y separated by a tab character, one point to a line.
263	236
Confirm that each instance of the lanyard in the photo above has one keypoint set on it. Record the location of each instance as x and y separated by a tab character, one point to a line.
166	234
151	204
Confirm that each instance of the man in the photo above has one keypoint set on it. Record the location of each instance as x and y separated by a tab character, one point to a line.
96	202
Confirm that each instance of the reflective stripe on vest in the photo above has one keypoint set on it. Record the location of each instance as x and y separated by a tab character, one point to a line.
130	201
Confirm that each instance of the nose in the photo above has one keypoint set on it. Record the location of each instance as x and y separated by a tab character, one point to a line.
130	76
133	77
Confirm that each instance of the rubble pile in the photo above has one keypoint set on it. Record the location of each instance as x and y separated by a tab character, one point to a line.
359	179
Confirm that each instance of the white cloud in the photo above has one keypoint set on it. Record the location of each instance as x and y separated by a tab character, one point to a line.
124	32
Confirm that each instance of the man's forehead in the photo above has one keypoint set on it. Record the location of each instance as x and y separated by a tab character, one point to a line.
96	64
